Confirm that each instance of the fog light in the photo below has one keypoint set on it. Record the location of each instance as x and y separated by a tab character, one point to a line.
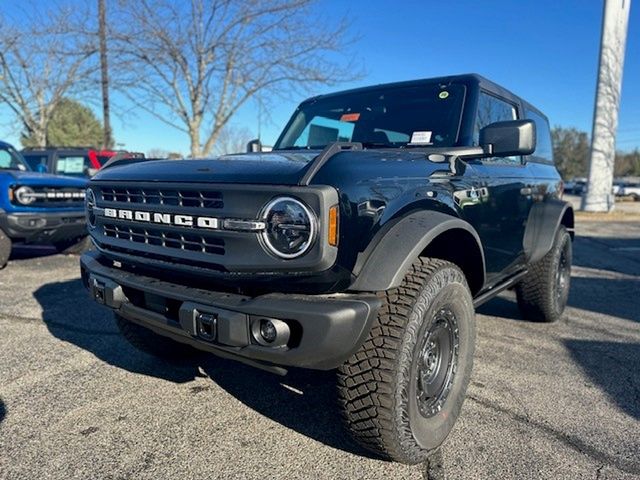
270	332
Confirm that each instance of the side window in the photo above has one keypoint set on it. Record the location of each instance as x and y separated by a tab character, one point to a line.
492	109
544	147
35	161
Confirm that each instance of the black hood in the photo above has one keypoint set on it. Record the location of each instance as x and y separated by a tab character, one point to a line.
282	168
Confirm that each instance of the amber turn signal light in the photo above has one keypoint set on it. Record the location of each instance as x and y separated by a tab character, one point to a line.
333	226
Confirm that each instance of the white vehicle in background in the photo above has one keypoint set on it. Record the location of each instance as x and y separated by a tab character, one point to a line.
630	190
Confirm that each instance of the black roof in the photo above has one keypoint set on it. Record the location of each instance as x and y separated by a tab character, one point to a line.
470	79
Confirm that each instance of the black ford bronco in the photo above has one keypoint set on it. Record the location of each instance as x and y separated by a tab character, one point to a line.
363	242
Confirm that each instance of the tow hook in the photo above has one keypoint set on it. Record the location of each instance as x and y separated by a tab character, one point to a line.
206	324
97	291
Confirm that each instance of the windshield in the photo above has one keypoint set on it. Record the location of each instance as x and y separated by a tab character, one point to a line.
10	159
423	115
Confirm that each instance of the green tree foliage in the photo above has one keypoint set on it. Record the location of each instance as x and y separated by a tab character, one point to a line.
571	152
71	124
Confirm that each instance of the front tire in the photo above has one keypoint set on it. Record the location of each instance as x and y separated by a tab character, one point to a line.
402	391
543	293
150	342
5	249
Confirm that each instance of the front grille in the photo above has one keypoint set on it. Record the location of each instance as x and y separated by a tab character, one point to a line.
154	236
162	196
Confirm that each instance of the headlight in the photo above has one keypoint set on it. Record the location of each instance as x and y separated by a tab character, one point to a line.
290	227
90	205
25	195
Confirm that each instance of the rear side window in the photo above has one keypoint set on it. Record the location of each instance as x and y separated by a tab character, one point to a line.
544	147
35	161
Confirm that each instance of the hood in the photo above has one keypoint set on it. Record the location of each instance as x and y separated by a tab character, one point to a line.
45	179
285	168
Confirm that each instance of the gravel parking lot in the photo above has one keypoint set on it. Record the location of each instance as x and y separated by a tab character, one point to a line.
546	401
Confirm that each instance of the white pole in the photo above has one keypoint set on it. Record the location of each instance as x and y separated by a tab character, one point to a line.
599	196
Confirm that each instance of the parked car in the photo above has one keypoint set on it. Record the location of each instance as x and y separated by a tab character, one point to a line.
630	190
38	207
363	242
74	162
575	186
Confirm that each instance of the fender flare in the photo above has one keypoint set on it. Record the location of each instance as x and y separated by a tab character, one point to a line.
388	258
542	224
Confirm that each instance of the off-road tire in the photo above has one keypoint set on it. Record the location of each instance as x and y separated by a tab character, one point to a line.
150	342
5	249
74	246
378	385
541	294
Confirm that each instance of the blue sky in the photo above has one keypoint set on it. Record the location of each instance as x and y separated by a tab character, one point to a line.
545	51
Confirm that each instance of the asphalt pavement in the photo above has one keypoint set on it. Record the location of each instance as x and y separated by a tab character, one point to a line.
548	401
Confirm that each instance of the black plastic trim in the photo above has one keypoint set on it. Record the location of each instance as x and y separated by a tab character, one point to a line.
324	156
333	326
385	264
542	225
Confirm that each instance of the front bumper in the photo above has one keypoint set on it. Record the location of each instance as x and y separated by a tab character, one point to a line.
323	330
43	227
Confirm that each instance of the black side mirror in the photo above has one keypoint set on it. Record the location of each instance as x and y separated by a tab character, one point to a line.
513	137
254	146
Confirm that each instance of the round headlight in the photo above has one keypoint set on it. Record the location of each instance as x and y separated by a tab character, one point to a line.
290	227
24	195
90	204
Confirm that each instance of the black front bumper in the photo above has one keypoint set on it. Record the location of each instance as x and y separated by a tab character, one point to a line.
323	330
43	227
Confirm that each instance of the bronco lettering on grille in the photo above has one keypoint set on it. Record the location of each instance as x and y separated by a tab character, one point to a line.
163	218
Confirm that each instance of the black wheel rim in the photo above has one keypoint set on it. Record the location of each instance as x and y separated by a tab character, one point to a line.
563	277
437	362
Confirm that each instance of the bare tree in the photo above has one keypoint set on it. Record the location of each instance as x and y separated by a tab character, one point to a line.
194	64
232	139
41	63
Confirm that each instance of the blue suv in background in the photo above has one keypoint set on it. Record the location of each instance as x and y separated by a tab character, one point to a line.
38	207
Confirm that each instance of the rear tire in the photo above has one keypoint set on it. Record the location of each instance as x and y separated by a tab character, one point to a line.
402	391
543	293
150	342
5	249
73	246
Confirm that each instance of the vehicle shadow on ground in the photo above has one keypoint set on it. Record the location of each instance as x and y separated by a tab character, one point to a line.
606	296
612	366
304	401
3	410
71	315
24	252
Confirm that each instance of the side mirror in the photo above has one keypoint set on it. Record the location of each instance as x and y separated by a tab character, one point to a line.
254	146
513	137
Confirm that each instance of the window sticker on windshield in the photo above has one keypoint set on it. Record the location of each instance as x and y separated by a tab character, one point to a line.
350	117
422	138
75	165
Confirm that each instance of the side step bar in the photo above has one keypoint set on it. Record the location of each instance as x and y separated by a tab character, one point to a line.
496	289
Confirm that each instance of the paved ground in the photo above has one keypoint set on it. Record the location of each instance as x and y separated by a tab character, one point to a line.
546	401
